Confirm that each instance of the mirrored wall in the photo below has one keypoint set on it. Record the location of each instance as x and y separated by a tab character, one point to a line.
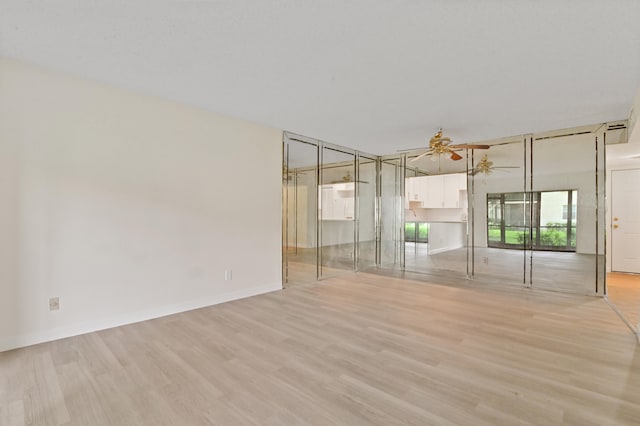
366	196
538	211
329	205
391	250
436	215
300	211
521	211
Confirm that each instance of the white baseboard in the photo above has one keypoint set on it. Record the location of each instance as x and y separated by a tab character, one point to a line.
56	333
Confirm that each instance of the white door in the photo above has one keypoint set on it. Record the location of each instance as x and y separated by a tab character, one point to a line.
625	220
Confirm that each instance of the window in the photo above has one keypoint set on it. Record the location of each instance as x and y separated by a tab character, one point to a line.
565	211
416	232
535	220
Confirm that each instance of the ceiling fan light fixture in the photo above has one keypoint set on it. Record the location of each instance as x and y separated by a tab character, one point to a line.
439	144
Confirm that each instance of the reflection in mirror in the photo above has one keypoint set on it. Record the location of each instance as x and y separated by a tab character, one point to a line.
300	207
391	235
500	210
366	213
336	211
436	211
527	210
329	210
601	222
565	220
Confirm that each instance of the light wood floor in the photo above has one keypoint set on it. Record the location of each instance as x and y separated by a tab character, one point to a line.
360	349
557	271
624	291
548	270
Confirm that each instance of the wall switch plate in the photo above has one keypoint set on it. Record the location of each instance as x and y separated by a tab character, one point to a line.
228	275
54	304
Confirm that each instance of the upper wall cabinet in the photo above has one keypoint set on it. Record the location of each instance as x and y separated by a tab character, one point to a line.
437	192
336	201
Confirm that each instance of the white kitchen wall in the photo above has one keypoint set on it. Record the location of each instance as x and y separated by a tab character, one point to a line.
126	207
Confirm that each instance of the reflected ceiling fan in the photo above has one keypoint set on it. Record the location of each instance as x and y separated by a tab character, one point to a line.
485	166
348	179
439	145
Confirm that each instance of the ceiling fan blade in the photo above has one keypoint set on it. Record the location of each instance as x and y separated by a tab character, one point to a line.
420	156
470	146
410	149
506	143
455	156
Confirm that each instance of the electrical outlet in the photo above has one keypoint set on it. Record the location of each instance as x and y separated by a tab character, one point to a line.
228	275
54	304
485	260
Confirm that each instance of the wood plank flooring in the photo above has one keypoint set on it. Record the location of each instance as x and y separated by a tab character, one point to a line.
558	271
358	349
624	291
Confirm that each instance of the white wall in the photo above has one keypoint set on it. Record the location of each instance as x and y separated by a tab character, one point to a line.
127	207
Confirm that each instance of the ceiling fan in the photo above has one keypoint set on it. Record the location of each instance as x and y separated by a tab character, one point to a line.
485	167
348	179
439	145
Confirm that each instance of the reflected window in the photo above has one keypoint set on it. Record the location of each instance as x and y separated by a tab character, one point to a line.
544	220
416	232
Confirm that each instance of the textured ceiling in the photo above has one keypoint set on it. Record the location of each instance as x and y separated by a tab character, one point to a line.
375	75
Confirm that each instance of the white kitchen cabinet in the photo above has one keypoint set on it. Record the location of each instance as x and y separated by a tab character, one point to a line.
463	181
336	201
412	189
433	190
436	192
451	196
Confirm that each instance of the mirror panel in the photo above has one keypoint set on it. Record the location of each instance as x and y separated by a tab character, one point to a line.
565	225
601	215
366	216
436	213
336	212
528	210
300	212
391	249
500	210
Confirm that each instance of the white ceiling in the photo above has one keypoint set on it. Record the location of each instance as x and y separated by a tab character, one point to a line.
375	75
